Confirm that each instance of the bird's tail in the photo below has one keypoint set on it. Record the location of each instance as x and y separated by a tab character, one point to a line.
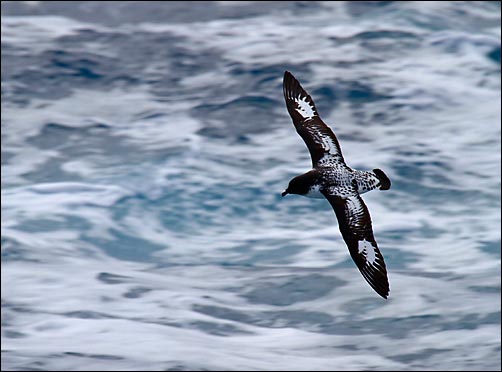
382	177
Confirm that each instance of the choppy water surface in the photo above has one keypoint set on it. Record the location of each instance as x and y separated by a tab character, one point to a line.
144	149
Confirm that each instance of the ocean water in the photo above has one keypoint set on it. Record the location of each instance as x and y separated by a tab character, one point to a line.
144	149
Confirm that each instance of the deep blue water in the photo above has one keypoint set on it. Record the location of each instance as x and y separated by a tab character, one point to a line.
144	149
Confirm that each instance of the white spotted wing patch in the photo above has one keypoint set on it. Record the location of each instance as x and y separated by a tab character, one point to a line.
332	153
305	108
367	250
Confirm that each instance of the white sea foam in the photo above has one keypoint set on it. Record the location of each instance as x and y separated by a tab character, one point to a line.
142	224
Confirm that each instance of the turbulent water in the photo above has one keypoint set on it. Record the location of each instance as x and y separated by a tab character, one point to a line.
144	149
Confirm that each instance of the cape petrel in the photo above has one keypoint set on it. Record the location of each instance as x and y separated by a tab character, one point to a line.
331	178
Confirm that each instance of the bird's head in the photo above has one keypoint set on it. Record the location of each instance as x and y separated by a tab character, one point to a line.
299	185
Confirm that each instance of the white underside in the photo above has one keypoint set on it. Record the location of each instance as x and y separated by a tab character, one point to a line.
315	193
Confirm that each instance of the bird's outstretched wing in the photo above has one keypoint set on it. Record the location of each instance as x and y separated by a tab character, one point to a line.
319	138
355	225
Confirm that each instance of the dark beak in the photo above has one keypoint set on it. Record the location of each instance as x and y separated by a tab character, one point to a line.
284	193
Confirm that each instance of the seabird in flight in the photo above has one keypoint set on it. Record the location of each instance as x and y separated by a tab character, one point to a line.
331	178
